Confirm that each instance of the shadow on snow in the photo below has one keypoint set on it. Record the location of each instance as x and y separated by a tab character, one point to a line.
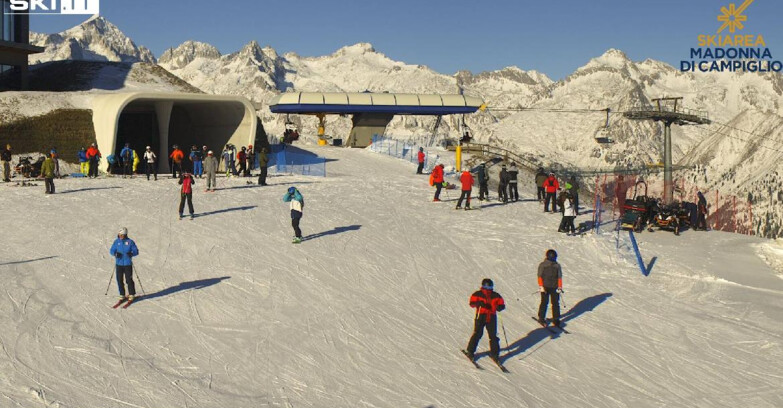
183	286
535	336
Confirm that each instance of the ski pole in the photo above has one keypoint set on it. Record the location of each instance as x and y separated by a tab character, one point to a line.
110	278
504	330
139	277
562	300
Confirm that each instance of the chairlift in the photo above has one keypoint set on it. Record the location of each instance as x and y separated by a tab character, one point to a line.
291	132
602	135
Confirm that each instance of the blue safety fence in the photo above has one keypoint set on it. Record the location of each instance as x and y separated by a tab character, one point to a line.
285	158
401	150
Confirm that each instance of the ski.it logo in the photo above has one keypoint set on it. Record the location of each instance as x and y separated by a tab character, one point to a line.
55	6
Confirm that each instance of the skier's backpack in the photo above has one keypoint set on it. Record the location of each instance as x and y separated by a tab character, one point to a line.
432	179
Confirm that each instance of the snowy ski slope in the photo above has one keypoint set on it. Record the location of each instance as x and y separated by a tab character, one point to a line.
373	310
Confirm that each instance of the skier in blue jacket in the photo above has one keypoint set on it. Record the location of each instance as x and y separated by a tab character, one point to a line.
126	158
123	250
297	204
84	164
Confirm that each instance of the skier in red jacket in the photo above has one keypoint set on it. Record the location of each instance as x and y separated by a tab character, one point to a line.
421	161
437	180
186	194
487	303
551	186
467	186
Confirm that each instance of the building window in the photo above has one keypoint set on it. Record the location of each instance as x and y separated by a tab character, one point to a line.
8	22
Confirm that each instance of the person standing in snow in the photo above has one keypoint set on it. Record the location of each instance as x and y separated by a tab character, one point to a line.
487	303
513	192
540	179
503	184
701	215
126	158
550	187
196	157
620	190
123	250
47	173
211	168
251	160
84	165
93	155
242	159
56	160
569	213
6	157
297	205
176	157
263	162
436	179
550	285
574	190
467	186
186	193
483	181
421	156
150	163
228	160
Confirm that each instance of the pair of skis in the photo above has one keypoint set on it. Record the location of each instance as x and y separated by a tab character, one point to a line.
124	300
475	364
551	328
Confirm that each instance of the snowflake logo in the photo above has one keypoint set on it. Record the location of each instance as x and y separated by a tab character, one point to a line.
732	17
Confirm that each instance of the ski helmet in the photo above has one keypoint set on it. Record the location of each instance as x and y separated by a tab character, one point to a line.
551	254
123	231
291	190
487	284
209	153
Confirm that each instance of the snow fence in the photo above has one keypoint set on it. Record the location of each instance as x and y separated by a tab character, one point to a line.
401	150
285	158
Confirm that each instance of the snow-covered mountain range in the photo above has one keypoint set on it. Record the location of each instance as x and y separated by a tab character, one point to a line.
730	158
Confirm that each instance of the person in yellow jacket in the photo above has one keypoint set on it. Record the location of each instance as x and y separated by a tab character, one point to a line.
47	173
136	161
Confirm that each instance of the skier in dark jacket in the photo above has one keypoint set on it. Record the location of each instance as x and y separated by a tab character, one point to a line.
574	190
124	249
483	181
487	303
126	158
540	179
550	285
6	158
513	192
503	184
297	205
263	162
196	157
701	217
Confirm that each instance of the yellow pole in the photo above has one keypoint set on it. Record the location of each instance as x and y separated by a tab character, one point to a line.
459	157
321	130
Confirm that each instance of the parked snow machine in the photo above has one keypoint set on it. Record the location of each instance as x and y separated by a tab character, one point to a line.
29	168
673	217
637	210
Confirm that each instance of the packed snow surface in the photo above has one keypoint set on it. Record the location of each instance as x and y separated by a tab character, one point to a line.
371	309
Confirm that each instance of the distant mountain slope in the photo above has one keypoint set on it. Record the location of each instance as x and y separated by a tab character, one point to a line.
94	40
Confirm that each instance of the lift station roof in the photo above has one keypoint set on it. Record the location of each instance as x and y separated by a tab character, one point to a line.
365	102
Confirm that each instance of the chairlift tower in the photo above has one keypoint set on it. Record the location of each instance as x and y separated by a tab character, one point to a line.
666	110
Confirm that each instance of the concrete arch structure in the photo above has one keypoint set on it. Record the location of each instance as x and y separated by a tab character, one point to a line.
180	118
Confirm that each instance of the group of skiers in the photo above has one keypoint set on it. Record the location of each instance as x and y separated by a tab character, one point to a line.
489	303
564	199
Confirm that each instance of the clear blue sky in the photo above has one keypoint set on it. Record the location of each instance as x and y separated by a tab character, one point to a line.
554	37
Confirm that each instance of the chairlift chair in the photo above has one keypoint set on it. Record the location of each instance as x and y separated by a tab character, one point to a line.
602	135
